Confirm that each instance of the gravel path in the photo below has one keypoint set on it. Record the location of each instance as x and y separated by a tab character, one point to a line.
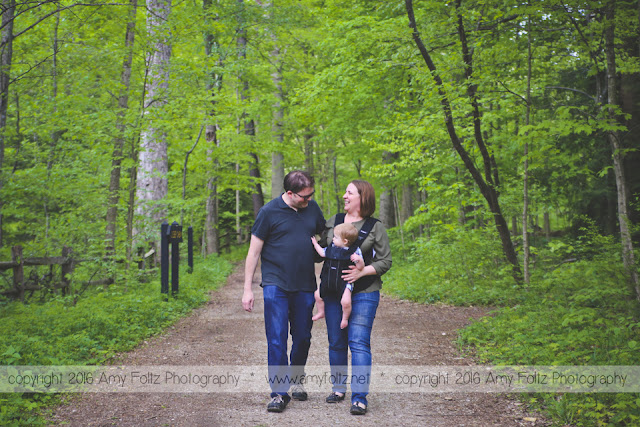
223	334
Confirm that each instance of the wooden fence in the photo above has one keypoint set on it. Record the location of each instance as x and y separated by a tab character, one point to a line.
18	262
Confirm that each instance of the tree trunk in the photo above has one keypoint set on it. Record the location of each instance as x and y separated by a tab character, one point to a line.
630	103
277	158
131	205
152	182
238	228
387	210
118	143
399	221
618	153
277	174
486	187
462	210
525	179
133	176
387	214
611	224
55	135
212	235
308	151
184	173
407	202
6	57
422	200
257	197
547	225
337	191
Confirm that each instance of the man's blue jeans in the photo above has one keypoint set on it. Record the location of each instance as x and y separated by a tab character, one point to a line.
281	309
357	337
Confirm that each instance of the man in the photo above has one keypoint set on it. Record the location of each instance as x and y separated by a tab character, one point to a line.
280	238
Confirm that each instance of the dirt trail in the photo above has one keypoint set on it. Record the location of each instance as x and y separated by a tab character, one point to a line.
222	334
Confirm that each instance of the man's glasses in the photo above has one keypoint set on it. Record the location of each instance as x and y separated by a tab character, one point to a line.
307	197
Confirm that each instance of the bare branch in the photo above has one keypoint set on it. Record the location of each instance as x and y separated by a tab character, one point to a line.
512	92
30	27
573	90
31	68
20	12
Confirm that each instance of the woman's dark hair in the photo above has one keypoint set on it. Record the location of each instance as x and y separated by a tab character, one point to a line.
298	180
367	197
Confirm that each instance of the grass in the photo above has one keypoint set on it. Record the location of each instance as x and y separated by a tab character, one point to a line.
93	328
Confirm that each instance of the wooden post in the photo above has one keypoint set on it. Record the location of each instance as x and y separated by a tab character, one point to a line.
67	270
164	258
18	271
190	248
175	237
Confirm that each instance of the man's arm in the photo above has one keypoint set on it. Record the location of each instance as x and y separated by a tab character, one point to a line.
255	249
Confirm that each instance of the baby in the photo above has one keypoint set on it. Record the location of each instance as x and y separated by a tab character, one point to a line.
344	236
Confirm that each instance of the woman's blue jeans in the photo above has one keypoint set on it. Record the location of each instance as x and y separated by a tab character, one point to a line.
281	309
357	337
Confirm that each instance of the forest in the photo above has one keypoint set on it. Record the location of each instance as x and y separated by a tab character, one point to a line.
501	136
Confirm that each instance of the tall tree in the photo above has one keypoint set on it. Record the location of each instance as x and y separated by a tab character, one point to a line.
214	86
6	57
615	139
249	124
277	158
152	181
488	183
525	183
598	22
119	139
387	205
55	134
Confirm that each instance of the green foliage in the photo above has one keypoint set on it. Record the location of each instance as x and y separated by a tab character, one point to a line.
92	329
455	266
236	253
578	309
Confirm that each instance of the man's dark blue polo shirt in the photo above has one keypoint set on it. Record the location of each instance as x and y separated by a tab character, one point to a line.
287	254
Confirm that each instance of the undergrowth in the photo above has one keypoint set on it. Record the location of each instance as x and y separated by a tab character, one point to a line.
577	310
451	267
91	329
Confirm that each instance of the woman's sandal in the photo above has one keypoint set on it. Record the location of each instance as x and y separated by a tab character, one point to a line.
358	408
335	397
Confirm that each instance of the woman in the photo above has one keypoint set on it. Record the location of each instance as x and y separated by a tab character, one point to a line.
359	204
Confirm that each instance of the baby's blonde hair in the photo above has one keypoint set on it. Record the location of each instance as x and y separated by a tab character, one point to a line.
347	232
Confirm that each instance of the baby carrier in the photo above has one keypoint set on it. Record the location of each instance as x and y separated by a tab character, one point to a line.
338	259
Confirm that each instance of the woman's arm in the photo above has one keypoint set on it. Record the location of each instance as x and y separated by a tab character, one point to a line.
353	274
381	261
